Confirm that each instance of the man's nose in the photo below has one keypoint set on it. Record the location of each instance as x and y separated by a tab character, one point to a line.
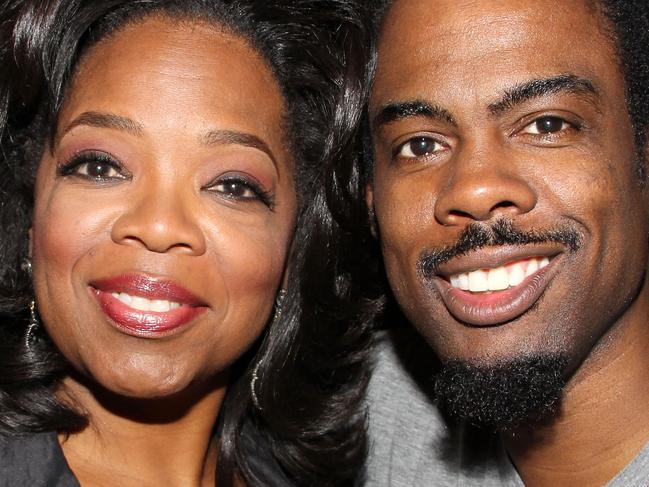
480	187
161	220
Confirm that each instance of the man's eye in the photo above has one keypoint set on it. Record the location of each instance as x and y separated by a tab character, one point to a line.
418	147
546	125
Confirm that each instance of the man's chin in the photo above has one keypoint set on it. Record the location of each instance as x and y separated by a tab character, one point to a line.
506	395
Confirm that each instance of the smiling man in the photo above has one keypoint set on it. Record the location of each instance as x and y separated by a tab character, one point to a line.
509	193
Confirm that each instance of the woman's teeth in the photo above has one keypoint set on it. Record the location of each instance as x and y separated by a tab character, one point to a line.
500	278
143	304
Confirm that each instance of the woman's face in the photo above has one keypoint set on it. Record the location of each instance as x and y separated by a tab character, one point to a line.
164	208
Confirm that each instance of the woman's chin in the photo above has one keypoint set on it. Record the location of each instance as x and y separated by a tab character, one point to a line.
146	387
114	386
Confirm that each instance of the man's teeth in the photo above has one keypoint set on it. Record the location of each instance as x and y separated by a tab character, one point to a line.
143	304
500	278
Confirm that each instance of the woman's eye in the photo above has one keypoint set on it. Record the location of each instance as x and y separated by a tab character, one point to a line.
546	125
97	167
242	190
98	170
418	147
236	189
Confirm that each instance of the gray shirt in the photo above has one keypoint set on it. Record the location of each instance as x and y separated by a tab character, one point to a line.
412	444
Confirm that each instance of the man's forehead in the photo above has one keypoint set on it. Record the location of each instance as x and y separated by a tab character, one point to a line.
470	10
448	25
486	45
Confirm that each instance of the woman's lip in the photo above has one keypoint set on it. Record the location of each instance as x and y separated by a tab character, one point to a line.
145	323
147	287
496	307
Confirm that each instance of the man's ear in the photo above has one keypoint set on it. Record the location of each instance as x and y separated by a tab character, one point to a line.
369	202
642	172
642	158
644	161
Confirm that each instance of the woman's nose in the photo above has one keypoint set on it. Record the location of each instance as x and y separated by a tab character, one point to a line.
161	221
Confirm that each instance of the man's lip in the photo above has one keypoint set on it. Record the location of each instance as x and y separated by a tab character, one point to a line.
497	307
493	257
148	287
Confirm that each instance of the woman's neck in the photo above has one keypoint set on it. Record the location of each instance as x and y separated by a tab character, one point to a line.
135	442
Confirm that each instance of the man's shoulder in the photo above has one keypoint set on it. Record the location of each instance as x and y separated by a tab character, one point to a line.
411	441
635	473
401	358
404	423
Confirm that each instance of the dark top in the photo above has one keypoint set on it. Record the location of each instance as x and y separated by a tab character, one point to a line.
36	460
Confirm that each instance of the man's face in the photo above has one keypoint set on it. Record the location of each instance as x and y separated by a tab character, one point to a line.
509	210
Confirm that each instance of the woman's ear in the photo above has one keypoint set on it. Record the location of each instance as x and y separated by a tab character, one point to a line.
369	202
284	284
30	242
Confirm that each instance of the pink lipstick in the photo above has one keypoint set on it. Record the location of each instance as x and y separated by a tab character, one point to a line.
143	306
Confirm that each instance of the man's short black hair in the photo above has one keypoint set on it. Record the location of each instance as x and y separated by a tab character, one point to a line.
630	21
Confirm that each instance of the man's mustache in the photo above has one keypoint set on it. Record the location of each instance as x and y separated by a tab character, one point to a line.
501	232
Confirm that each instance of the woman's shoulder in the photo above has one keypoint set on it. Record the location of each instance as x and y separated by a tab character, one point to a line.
264	467
34	459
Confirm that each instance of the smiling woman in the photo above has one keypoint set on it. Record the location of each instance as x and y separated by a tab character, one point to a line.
151	155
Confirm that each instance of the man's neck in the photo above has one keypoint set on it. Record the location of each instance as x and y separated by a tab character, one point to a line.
604	418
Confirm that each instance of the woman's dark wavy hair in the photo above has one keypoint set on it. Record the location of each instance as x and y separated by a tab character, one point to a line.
311	360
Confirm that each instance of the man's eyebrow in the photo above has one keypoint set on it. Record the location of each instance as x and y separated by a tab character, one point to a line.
537	88
218	137
417	108
103	120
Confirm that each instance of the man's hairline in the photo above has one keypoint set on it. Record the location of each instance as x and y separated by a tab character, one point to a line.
597	8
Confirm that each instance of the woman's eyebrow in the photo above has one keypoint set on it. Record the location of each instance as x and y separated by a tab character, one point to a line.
125	124
223	137
103	120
